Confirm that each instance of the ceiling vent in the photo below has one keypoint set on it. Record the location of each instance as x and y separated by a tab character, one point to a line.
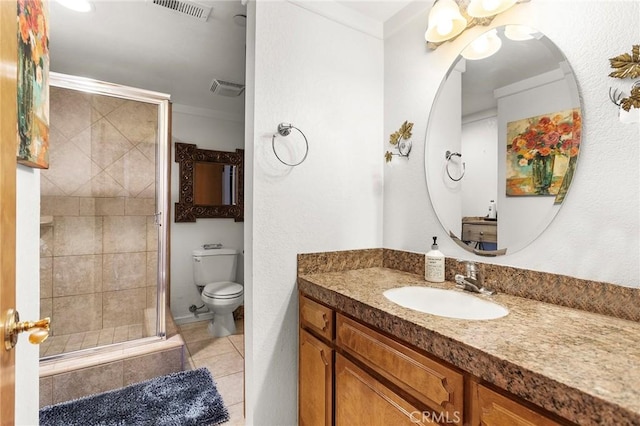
184	7
226	88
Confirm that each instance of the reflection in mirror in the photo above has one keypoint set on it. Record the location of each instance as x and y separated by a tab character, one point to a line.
211	183
514	117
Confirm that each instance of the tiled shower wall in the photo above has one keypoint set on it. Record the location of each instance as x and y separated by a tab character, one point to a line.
98	254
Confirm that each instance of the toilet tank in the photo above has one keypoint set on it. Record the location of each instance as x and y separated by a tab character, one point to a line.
210	266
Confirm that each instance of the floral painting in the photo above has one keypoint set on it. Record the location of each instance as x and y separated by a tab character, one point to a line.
541	154
33	87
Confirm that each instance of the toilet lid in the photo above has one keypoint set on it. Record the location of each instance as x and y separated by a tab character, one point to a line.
222	290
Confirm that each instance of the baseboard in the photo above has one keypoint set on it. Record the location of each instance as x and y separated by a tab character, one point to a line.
186	319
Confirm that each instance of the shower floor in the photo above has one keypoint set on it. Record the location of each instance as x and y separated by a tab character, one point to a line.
64	343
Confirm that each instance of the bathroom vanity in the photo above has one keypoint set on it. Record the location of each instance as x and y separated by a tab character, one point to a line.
365	360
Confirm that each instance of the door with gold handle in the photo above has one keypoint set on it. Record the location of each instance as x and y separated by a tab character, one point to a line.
12	327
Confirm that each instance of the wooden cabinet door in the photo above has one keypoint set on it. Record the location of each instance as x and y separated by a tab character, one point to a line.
315	384
362	400
494	409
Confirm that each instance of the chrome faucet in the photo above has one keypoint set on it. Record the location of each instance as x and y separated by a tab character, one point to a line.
473	280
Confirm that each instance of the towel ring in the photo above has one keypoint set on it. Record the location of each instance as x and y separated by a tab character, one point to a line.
448	156
284	129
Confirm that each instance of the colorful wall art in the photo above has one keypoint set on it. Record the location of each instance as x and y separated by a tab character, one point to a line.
33	87
541	154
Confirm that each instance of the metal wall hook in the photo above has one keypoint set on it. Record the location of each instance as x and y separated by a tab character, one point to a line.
284	129
448	156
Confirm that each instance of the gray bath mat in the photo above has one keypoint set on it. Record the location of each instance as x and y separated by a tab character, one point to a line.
188	398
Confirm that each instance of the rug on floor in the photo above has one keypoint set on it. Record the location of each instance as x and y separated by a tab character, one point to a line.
188	398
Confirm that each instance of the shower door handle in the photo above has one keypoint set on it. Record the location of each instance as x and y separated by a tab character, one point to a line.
13	327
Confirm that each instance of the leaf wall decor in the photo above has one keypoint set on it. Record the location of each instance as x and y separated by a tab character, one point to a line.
626	65
633	100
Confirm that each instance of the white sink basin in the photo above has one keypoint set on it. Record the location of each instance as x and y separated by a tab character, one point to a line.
445	303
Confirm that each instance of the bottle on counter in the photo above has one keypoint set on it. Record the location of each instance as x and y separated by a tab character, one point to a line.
492	210
434	264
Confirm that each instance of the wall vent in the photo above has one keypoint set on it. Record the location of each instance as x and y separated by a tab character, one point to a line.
186	7
226	88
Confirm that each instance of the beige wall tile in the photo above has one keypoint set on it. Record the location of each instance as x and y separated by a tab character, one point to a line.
152	269
105	104
87	206
86	381
152	234
139	206
110	206
123	307
49	188
73	112
124	234
146	367
102	143
46	391
133	171
46	241
152	297
75	314
148	192
101	185
123	271
58	206
149	147
73	275
69	168
77	235
137	121
46	277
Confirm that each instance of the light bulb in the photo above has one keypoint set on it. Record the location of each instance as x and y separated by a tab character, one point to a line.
490	5
444	27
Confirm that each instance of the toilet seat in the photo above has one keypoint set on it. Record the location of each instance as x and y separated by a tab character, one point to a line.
223	290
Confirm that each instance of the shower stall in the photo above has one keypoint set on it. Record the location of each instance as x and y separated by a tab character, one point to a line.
104	218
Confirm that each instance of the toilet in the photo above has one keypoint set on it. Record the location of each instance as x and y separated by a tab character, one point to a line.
213	273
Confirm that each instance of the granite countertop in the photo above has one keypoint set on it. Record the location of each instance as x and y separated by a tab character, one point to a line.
583	366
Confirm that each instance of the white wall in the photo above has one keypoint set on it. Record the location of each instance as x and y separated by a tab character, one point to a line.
326	79
481	177
208	130
596	233
27	291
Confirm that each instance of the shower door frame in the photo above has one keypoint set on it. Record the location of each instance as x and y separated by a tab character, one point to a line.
163	197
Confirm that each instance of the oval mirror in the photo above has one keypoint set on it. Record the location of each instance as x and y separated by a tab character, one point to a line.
503	140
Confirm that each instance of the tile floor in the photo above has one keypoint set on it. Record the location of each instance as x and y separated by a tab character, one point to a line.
224	357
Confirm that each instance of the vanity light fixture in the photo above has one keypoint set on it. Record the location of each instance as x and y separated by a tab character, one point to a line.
449	18
486	8
445	21
483	47
77	5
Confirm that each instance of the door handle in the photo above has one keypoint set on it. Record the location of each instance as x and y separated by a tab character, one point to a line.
13	327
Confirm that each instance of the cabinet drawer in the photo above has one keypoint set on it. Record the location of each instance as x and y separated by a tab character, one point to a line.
316	317
495	409
436	385
482	233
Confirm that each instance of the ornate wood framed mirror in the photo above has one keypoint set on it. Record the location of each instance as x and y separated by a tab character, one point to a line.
211	183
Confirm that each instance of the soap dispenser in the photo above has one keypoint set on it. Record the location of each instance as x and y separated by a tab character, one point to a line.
434	264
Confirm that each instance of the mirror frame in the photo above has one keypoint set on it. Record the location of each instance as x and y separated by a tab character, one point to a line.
186	155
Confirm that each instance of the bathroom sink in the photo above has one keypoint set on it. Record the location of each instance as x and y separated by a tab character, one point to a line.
445	303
